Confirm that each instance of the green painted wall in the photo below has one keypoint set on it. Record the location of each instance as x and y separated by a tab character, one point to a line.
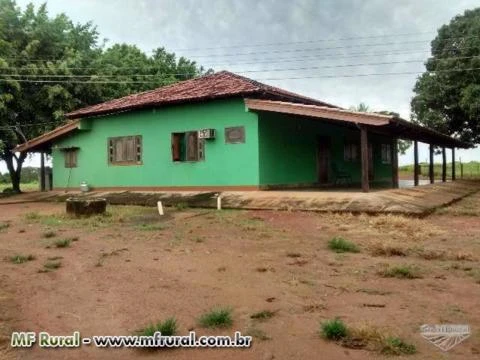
224	164
288	150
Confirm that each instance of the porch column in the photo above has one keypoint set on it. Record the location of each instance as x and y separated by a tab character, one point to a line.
394	163
364	158
444	165
42	171
415	163
431	173
453	164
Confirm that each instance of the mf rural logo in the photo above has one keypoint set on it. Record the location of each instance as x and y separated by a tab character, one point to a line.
445	336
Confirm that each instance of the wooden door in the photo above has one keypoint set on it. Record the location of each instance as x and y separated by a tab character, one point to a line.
323	159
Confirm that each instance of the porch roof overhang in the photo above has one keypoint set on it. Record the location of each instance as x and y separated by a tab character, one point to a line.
44	141
380	123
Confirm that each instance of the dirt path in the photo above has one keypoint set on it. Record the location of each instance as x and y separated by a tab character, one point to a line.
131	268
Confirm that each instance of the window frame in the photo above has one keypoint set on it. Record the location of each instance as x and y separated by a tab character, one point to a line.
350	151
137	149
386	153
181	143
240	140
70	158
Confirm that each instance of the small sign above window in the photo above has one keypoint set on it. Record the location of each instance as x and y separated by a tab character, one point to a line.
235	135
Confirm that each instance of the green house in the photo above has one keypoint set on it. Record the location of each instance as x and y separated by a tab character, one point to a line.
225	132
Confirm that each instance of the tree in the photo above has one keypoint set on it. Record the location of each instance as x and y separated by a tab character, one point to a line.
50	66
402	145
362	107
447	95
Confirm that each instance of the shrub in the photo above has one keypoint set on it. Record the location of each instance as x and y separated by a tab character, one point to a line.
166	328
333	329
218	317
63	243
20	259
381	249
263	315
396	346
402	272
49	234
4	225
32	216
340	245
52	265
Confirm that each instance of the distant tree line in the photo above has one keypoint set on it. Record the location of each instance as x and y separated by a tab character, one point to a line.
29	175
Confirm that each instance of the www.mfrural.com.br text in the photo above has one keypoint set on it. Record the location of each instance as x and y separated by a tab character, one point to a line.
157	340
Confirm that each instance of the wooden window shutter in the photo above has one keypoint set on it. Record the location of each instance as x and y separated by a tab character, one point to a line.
192	146
130	150
118	150
70	156
176	143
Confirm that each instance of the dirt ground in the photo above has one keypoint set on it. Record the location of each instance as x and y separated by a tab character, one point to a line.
131	268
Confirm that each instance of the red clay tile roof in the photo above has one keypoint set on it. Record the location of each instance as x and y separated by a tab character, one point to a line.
219	85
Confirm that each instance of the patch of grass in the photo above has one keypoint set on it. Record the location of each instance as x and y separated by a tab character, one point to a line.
293	255
20	259
32	216
217	317
365	337
475	274
396	346
167	327
340	245
257	333
52	265
4	225
400	227
49	234
429	254
63	243
401	272
463	256
151	227
387	249
333	329
181	206
53	258
263	315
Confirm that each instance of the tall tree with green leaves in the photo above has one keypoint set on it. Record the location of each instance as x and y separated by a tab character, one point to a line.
447	95
50	66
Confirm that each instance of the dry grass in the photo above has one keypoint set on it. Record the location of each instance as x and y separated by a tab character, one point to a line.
388	249
401	272
401	227
366	337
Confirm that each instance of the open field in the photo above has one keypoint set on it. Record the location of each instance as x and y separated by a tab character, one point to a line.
282	274
470	170
32	186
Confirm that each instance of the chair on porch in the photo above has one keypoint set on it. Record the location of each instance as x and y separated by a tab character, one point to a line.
340	176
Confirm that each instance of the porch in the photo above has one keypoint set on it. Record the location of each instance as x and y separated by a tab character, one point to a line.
313	146
418	201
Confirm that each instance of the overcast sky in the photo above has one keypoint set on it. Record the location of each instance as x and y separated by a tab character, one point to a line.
262	38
